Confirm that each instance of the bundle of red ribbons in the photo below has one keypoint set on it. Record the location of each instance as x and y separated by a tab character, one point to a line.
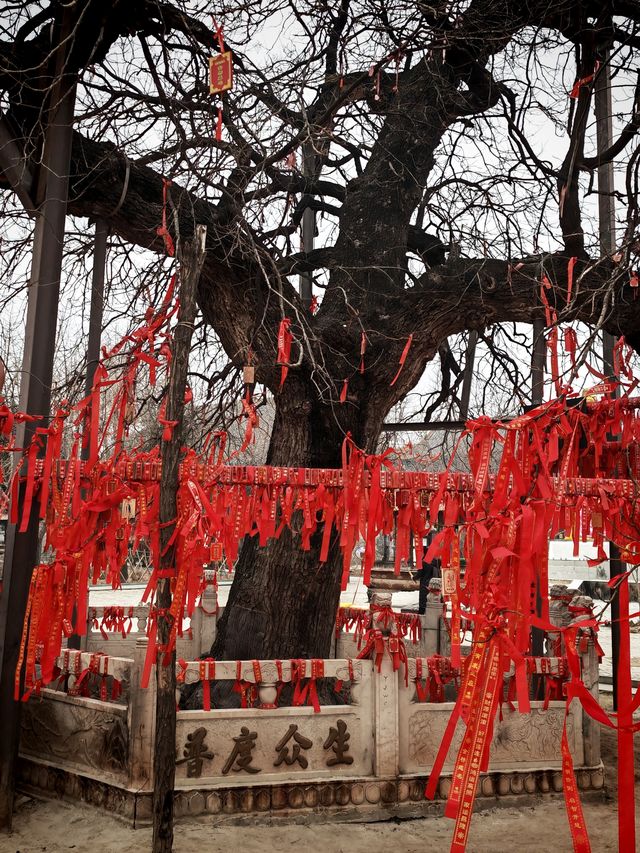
358	619
569	465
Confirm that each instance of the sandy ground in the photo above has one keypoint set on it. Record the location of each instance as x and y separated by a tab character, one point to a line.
56	827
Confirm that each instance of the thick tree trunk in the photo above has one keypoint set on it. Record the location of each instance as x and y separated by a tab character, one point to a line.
283	601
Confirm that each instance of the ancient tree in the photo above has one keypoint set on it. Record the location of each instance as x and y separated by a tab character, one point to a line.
448	164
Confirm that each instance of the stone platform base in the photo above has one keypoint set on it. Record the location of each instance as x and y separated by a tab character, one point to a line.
356	800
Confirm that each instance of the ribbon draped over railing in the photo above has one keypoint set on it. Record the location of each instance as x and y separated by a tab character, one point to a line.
381	640
114	620
356	620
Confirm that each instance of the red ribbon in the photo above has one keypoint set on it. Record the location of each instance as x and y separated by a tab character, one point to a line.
163	231
403	358
284	348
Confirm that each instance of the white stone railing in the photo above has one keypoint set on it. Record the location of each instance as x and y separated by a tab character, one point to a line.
433	637
91	737
115	630
374	746
271	743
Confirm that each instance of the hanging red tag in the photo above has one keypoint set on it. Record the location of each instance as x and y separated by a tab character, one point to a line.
284	348
220	73
163	231
403	358
363	347
583	81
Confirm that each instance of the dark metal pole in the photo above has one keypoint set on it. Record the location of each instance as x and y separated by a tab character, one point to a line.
538	355
308	227
97	308
537	363
35	397
468	374
607	232
93	344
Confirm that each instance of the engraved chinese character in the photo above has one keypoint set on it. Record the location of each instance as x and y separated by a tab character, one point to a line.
240	755
195	750
300	741
337	740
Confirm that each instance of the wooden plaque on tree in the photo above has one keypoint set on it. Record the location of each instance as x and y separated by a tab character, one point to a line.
220	73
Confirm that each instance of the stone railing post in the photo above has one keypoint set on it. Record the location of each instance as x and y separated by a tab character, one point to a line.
268	694
559	597
141	722
196	634
386	720
355	688
430	642
204	621
141	620
590	676
444	637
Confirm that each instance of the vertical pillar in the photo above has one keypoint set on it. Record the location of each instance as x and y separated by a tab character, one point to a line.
589	667
308	227
35	395
538	355
97	305
468	375
607	233
386	722
141	722
93	351
430	643
164	770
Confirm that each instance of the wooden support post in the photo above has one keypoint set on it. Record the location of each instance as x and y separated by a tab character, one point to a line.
35	396
164	768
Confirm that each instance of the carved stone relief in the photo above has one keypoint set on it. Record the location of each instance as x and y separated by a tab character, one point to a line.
520	739
76	735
